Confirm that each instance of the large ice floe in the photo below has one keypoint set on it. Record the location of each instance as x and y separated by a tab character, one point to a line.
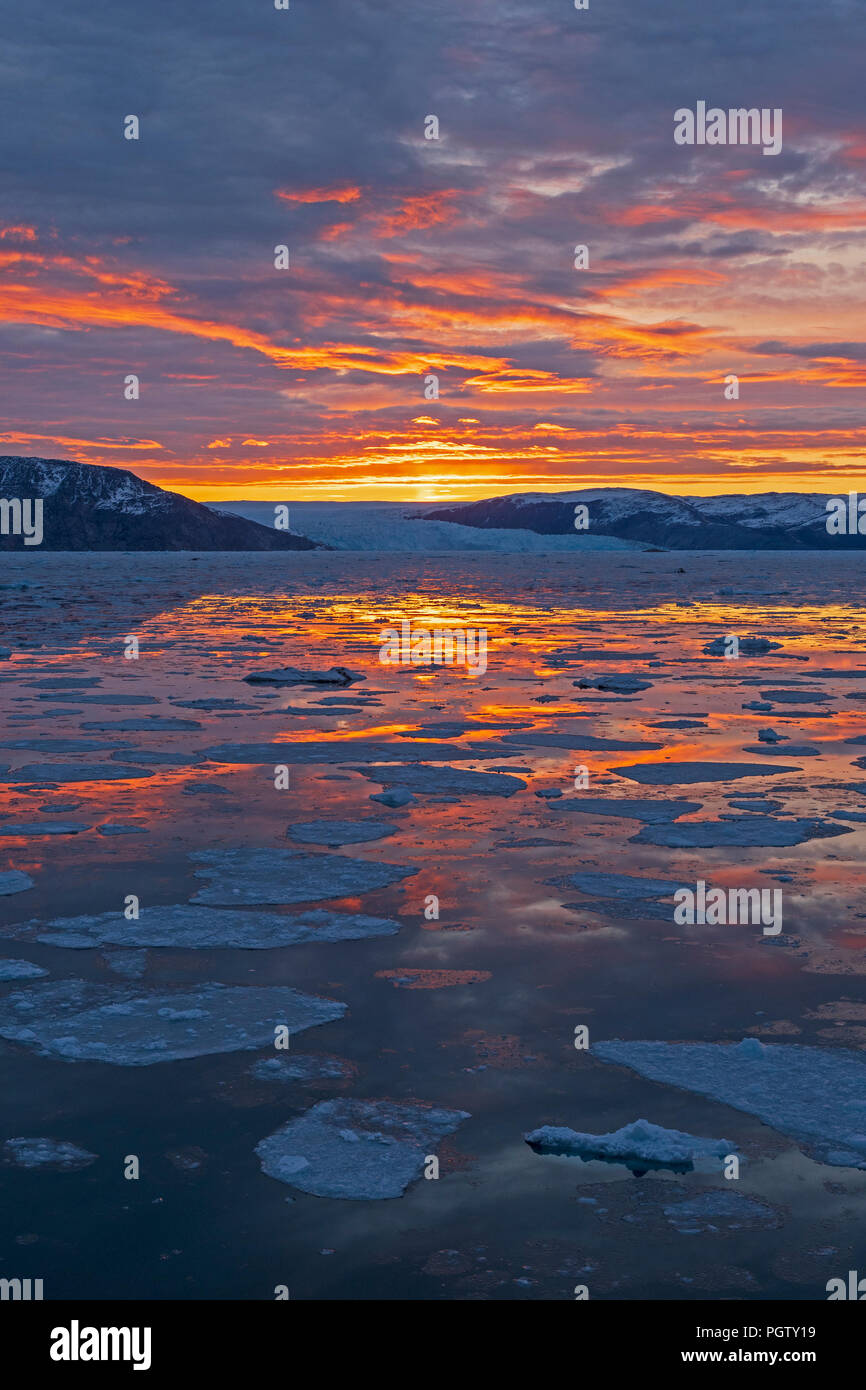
629	808
200	928
307	751
357	1149
450	780
815	1095
739	830
580	742
669	774
129	1027
288	876
640	1146
622	885
14	881
42	827
74	772
339	832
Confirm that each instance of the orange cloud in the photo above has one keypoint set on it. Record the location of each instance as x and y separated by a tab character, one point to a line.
350	194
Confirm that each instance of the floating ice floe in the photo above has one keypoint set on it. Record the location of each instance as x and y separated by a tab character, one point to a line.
815	1095
629	808
358	1149
77	698
130	964
290	675
796	697
340	832
200	928
20	970
158	759
43	827
712	1212
122	1025
50	1154
288	876
747	646
669	774
63	745
151	725
431	780
301	1068
622	683
580	741
739	830
115	828
74	772
794	750
346	751
622	885
396	796
14	881
641	1146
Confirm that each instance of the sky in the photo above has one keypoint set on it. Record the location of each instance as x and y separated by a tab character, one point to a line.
453	258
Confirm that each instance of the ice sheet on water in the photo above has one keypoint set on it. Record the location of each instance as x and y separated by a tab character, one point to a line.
63	745
669	774
720	1211
74	772
815	1095
622	885
301	1068
42	827
629	808
14	881
129	1027
363	1150
46	1154
201	928
153	725
739	830
288	876
579	740
639	1145
20	970
345	751
340	832
426	780
291	675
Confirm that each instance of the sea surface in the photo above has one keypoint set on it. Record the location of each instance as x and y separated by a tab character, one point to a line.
473	1010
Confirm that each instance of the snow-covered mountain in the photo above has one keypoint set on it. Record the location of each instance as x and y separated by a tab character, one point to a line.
768	521
88	507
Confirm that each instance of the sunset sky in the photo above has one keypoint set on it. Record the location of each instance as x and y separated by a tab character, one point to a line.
410	256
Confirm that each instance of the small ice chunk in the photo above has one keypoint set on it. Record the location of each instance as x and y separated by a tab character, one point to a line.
14	881
20	970
640	1146
291	675
396	796
46	1154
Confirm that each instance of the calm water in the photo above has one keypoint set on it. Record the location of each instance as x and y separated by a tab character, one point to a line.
507	971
